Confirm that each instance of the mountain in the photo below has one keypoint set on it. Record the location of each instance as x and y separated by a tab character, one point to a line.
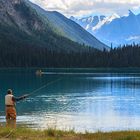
123	30
68	28
23	25
90	22
114	29
93	23
105	21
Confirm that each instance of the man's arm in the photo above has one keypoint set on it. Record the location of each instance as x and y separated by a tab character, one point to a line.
16	99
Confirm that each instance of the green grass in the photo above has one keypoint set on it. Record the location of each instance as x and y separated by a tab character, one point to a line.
52	134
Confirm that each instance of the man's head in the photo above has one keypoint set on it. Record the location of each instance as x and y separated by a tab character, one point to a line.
9	91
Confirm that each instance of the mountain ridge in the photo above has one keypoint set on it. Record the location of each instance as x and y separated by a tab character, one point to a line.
69	28
21	16
22	26
117	30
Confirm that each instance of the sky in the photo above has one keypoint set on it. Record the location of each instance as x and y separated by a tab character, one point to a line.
80	8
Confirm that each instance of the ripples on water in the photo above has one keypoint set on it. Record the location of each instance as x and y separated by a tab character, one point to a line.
89	100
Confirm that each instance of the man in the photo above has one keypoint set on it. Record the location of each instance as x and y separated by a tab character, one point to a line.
10	101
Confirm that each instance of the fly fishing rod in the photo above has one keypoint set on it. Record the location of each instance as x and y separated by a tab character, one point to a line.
42	87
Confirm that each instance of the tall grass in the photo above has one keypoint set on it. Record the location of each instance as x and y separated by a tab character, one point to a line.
53	134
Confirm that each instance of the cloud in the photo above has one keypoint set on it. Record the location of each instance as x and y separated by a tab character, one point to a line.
85	7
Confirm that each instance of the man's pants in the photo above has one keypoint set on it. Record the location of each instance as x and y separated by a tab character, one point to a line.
11	117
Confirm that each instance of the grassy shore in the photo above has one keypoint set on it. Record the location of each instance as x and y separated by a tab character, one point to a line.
50	134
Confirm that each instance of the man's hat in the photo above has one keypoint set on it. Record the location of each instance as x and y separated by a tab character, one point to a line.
9	91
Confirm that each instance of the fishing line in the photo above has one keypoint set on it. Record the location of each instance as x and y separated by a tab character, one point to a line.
42	87
46	85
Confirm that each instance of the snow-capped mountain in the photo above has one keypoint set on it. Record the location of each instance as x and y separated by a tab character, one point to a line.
123	30
114	29
106	20
93	23
90	22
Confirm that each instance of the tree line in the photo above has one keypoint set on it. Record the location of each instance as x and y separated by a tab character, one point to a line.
30	56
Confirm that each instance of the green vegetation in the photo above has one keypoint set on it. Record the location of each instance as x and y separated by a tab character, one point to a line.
19	50
52	134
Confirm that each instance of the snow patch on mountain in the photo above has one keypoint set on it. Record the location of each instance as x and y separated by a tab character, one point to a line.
107	20
93	23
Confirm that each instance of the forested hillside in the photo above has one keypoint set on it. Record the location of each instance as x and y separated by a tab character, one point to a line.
127	56
20	25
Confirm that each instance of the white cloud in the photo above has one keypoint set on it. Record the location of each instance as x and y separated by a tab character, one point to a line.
85	7
131	38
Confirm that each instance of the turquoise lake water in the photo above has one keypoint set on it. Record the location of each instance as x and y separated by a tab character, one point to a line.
84	99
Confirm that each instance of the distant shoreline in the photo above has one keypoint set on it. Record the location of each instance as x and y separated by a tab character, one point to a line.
103	68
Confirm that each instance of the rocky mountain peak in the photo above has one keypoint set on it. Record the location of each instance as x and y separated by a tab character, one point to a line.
19	14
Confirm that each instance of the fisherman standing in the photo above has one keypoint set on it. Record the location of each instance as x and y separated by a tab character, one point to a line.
10	102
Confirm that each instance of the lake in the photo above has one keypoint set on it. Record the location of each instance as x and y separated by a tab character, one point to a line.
83	99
